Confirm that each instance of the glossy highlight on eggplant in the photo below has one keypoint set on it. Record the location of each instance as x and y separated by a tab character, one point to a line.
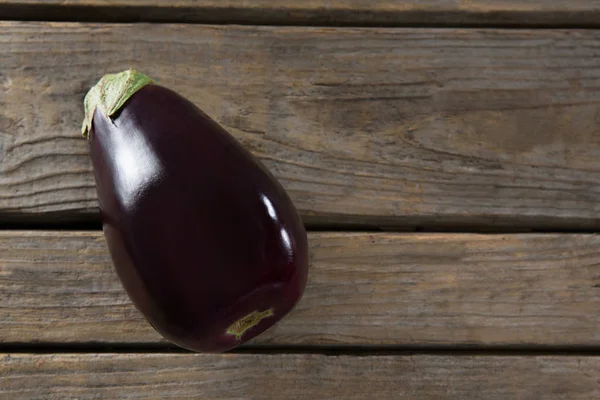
205	241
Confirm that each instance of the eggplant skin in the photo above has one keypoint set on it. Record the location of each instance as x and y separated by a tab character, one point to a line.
206	242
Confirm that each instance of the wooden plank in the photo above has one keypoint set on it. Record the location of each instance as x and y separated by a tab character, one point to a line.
366	126
315	12
296	376
403	290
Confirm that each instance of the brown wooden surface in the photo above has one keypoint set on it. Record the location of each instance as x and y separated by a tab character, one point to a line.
364	290
378	127
454	129
299	376
316	12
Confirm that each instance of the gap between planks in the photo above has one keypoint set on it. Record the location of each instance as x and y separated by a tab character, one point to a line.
329	350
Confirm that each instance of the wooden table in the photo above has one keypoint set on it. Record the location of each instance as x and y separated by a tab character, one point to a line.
445	156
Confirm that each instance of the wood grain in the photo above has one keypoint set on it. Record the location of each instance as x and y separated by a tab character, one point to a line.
370	127
315	12
402	290
300	376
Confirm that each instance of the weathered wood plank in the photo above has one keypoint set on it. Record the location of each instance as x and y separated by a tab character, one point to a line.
364	290
362	126
315	12
296	376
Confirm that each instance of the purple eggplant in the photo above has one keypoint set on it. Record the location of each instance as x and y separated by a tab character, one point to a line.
205	241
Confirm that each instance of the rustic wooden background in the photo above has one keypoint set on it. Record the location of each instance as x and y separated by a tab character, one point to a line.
444	156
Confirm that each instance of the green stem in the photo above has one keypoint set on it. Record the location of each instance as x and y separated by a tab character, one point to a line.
110	94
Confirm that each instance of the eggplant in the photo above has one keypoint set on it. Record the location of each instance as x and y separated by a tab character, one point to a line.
206	242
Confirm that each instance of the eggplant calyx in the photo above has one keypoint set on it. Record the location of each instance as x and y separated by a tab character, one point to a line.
239	327
110	94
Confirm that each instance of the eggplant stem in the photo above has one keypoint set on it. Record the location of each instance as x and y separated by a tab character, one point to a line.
110	94
239	327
